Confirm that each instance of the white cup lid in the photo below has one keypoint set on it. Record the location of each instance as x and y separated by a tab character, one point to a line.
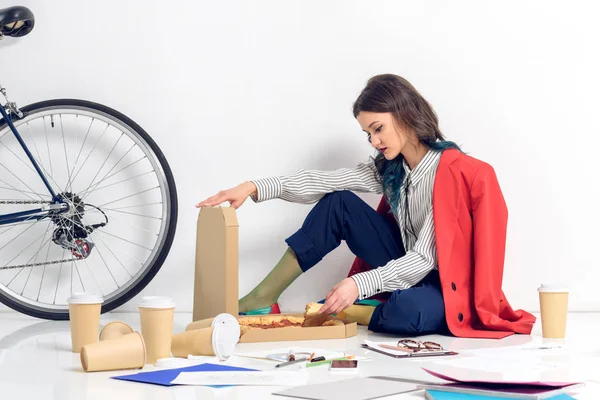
226	334
553	288
156	302
85	298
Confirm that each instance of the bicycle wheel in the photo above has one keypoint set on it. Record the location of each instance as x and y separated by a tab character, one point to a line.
122	212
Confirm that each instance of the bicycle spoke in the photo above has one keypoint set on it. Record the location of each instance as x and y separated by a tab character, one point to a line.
104	162
130	213
29	165
119	261
49	175
35	145
109	171
65	147
90	153
125	240
43	274
137	205
20	180
30	226
123	169
59	274
82	146
15	257
92	274
131	195
28	261
130	224
116	183
35	260
105	264
47	145
18	190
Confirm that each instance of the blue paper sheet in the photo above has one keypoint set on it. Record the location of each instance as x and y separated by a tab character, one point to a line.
164	377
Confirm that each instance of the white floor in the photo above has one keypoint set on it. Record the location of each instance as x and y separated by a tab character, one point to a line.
36	362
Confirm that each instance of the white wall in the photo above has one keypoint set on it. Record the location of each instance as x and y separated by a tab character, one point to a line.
234	90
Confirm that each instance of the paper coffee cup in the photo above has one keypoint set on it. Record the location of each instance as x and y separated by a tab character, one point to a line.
219	339
554	301
156	317
84	319
203	323
125	352
114	330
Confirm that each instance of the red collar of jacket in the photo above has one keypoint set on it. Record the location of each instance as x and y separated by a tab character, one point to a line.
470	218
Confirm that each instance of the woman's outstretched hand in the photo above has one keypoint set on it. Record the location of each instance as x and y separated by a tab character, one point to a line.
342	296
236	196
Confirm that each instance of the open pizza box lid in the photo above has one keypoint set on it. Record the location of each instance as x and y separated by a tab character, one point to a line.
291	333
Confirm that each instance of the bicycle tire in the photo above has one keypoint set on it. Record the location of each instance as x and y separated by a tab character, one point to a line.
161	255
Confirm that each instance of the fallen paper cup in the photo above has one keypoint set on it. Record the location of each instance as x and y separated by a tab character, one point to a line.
125	352
84	319
156	317
219	339
114	330
203	323
554	301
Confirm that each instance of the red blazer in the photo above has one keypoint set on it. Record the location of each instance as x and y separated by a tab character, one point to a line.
470	218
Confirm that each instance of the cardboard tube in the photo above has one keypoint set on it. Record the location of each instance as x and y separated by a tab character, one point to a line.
197	342
125	352
114	330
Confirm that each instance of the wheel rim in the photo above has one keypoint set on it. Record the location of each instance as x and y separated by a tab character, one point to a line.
91	141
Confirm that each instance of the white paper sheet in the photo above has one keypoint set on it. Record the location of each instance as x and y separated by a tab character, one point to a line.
254	378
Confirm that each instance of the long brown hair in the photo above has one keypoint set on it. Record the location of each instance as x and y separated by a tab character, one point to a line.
394	94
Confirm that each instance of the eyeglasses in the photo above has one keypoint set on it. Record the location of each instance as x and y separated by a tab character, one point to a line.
415	345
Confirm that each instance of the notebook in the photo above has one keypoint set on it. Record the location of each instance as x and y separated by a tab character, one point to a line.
164	377
437	395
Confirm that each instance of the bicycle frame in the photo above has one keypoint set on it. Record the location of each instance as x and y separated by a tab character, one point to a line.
35	214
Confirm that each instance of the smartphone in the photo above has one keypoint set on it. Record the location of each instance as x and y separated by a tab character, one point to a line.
344	365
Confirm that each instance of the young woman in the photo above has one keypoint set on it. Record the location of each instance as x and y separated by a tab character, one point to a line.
429	259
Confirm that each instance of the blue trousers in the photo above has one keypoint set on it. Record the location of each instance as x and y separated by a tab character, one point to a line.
344	216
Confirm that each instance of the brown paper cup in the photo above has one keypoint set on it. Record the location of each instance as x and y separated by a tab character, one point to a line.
203	323
219	339
553	307
156	317
84	319
114	330
196	343
125	352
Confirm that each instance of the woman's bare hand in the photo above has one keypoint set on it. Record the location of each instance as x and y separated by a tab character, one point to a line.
236	196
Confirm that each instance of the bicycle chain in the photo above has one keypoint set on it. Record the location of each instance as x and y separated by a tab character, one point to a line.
34	264
40	264
24	202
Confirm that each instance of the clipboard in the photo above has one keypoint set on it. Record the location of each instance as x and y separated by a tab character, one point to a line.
390	353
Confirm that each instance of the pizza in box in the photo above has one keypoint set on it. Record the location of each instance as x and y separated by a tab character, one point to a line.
311	318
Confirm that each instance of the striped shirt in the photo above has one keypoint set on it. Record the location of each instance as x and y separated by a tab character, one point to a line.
309	186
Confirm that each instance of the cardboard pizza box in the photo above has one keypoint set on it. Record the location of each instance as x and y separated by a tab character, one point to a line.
291	333
216	271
